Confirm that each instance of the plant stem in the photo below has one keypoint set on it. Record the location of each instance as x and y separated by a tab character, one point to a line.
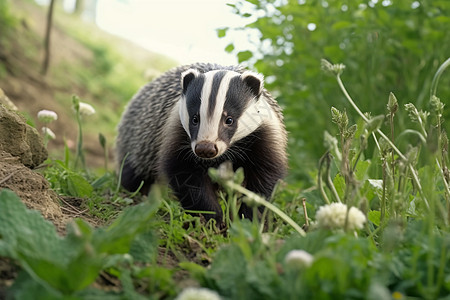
330	184
436	77
383	199
400	154
447	190
261	201
305	212
391	122
80	154
319	179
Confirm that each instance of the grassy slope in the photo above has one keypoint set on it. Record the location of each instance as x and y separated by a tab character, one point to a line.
101	69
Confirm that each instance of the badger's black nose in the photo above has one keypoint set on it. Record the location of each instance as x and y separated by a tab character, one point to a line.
206	149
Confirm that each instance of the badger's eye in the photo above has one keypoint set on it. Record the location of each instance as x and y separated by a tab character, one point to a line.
195	120
229	121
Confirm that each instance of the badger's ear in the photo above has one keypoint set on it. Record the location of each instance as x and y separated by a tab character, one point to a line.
187	77
254	81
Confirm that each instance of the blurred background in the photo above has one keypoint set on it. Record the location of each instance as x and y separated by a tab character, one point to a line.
105	50
183	30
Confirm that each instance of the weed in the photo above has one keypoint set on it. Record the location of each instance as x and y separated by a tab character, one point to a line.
64	266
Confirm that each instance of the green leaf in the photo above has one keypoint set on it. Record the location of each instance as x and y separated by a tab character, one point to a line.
225	276
374	217
244	56
221	32
392	105
229	48
374	123
143	247
102	140
339	184
71	263
78	186
197	271
342	25
361	169
117	237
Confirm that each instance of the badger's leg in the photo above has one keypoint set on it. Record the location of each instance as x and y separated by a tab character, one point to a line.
261	187
131	181
193	187
261	177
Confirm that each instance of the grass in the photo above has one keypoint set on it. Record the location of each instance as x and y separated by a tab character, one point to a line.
399	252
101	69
118	71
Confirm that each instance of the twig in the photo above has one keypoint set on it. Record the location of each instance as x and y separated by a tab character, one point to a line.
77	211
11	175
74	211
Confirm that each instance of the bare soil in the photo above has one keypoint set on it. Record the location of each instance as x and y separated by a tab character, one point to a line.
30	90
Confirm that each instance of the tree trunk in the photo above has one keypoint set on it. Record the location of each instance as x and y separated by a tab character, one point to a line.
79	7
47	38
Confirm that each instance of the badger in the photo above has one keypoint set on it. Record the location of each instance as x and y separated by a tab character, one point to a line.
196	117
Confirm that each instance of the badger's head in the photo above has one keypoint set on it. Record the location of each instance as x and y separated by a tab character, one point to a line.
220	107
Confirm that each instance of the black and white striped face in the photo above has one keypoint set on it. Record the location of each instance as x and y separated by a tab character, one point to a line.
220	107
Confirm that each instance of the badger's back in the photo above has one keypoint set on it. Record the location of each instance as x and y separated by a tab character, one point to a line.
141	129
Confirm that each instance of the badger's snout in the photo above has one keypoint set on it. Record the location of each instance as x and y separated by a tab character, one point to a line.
206	149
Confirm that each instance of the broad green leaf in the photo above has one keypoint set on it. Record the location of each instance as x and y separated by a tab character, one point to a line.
244	56
339	185
342	25
78	186
221	32
229	48
374	217
361	169
71	263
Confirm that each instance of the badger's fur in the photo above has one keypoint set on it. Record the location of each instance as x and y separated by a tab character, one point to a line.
196	117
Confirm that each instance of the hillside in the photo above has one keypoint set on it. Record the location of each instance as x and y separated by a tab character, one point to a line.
103	70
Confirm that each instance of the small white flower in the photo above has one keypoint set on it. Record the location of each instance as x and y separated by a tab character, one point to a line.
48	133
86	109
332	216
198	294
298	259
47	116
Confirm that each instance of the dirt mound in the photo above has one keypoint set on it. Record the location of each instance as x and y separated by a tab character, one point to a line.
20	139
21	152
21	149
30	186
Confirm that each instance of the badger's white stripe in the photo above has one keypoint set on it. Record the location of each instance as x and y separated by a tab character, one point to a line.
184	116
257	113
209	127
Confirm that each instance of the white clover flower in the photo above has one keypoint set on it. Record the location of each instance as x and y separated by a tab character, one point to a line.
298	259
198	294
48	133
333	216
47	116
86	109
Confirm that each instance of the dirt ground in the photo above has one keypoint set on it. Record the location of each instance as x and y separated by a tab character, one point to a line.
31	92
